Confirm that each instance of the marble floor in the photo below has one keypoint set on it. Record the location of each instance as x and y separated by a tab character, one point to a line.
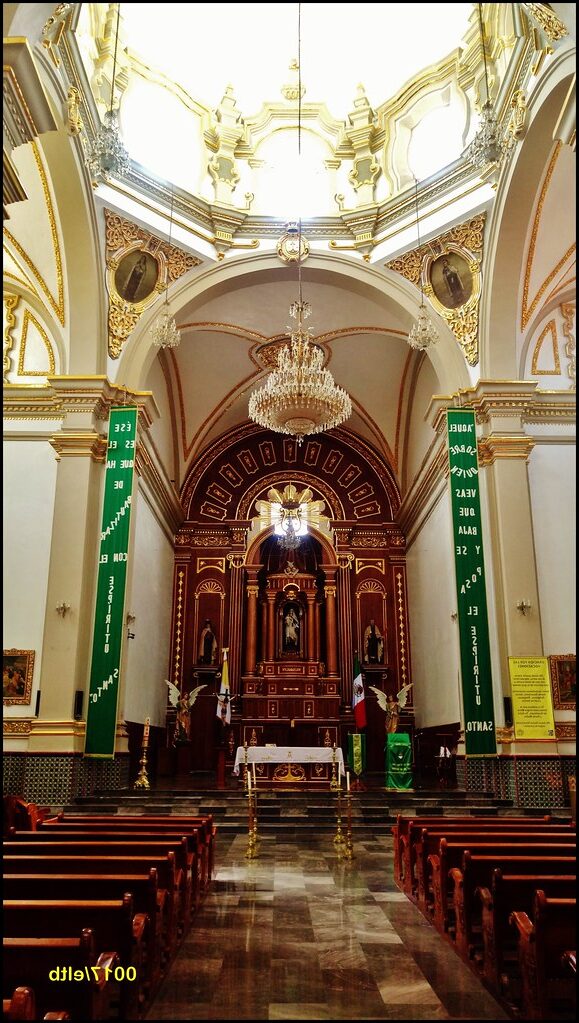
298	934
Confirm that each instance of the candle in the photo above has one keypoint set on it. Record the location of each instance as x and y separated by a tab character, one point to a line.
254	779
347	781
249	781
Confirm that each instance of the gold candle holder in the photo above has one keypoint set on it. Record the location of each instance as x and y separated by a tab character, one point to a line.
348	846
142	781
339	837
252	839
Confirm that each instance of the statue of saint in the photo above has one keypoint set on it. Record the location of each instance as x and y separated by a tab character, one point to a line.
207	644
291	629
373	644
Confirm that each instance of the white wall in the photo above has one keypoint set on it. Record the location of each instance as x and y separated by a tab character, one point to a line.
149	596
420	433
29	489
433	634
552	485
160	431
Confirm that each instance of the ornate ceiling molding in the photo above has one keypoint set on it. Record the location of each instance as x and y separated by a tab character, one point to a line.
463	245
124	241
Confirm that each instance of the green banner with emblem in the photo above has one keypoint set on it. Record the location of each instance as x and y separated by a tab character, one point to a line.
475	657
357	752
103	698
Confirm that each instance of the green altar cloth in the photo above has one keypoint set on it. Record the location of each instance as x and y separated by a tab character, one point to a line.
398	761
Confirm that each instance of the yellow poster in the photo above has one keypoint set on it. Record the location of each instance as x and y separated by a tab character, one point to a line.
531	694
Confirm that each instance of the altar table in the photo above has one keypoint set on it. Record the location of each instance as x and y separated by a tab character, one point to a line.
289	755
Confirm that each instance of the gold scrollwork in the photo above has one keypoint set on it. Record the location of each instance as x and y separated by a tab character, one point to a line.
289	773
10	303
552	26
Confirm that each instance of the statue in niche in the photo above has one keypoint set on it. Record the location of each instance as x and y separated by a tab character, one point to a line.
373	644
207	644
291	629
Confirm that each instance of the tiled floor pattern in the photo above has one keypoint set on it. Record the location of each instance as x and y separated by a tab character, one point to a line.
299	935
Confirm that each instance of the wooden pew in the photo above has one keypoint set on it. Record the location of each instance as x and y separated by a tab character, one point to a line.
168	876
115	926
507	893
21	1005
31	960
40	843
194	835
429	842
542	943
450	854
148	822
476	871
144	889
408	829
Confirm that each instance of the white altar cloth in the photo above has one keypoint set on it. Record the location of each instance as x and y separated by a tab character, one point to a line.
289	755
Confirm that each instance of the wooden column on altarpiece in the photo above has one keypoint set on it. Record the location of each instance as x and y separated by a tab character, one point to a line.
345	649
263	644
331	621
252	591
270	645
402	640
311	627
235	562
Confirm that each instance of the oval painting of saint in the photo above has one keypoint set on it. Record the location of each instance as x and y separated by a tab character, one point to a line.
136	276
451	280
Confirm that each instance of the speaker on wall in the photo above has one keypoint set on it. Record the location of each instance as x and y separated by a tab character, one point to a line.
508	711
78	702
37	709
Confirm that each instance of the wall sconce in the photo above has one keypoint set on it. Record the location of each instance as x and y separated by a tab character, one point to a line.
62	608
454	615
523	606
130	618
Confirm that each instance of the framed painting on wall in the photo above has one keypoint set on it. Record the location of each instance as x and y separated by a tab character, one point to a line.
17	671
563	681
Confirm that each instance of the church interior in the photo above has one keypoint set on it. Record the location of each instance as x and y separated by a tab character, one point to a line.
289	479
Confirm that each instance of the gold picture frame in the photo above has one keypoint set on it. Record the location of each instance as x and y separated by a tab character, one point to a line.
17	672
563	668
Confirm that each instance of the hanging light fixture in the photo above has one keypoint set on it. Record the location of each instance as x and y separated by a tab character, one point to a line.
300	397
165	333
488	145
108	154
423	333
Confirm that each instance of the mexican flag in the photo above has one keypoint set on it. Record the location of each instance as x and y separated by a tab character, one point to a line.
224	698
358	696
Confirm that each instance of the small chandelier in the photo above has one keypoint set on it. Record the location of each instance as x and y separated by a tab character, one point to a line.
300	397
487	146
290	523
108	154
164	332
423	333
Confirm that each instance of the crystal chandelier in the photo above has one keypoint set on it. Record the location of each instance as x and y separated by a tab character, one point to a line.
108	154
423	333
300	397
164	332
487	146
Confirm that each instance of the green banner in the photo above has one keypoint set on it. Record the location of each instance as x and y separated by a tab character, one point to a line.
398	761
101	722
357	752
475	657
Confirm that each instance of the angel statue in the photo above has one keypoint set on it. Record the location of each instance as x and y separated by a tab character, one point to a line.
183	705
392	705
